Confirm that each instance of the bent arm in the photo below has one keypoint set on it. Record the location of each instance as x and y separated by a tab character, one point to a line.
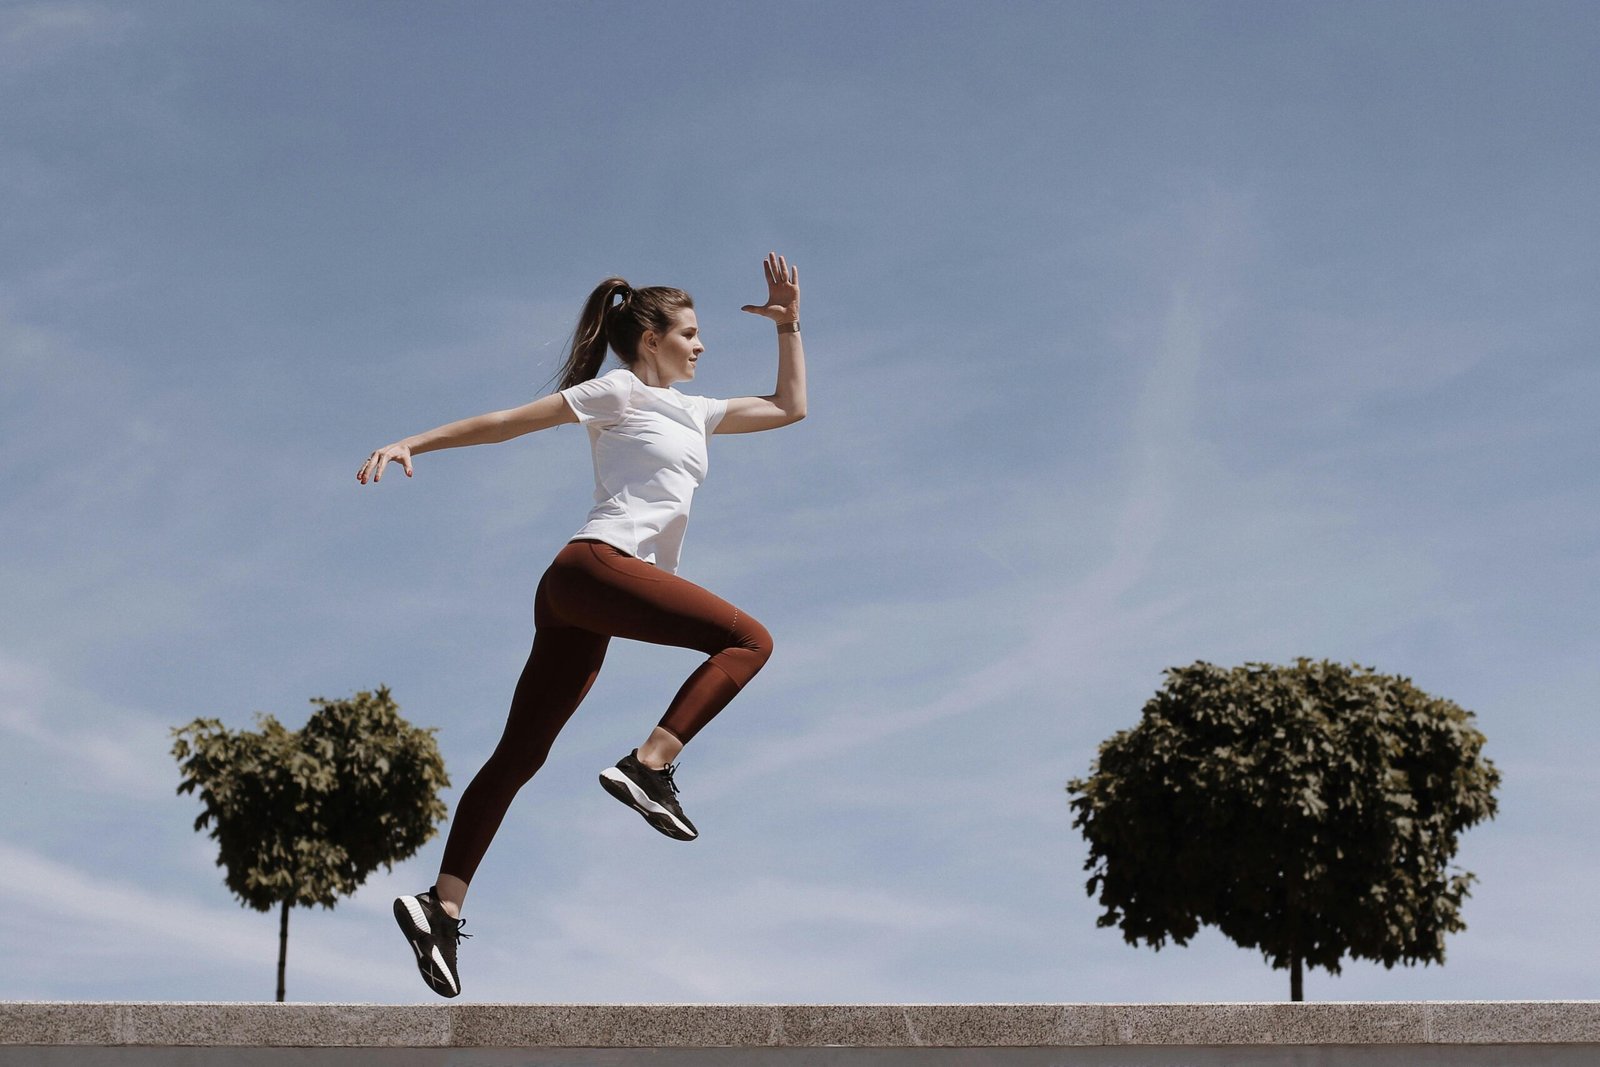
489	428
786	404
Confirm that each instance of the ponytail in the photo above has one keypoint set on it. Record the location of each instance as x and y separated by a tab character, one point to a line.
615	316
587	349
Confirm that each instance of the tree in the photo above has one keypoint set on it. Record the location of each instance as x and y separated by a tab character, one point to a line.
1309	811
304	816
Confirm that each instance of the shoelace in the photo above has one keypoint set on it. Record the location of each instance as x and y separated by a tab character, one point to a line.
433	894
666	774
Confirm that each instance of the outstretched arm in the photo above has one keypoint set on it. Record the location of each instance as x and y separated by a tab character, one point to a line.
787	404
490	428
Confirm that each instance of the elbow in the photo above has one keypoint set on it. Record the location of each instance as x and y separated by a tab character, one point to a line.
797	414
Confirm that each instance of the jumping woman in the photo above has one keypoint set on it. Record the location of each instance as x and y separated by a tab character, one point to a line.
617	576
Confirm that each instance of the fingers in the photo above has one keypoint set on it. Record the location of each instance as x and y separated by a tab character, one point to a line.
373	467
778	271
783	289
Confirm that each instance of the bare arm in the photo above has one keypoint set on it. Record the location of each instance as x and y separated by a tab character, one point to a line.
489	428
787	403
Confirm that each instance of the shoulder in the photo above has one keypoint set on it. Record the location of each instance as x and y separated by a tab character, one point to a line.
620	381
605	398
707	411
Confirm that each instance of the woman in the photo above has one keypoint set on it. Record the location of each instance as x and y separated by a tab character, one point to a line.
617	576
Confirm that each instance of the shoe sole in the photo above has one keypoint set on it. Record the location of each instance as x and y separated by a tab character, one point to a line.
414	924
623	788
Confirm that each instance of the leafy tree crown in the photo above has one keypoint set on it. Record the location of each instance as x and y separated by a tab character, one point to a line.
1309	811
304	816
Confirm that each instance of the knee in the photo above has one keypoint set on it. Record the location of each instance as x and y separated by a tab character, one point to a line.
505	773
754	638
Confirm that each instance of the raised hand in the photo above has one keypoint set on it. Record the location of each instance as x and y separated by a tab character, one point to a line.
783	291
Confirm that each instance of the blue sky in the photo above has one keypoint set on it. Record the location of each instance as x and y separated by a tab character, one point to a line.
1139	333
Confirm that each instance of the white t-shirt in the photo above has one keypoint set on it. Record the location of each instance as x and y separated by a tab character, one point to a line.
649	447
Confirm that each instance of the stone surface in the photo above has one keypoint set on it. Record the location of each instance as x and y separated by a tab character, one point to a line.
285	1025
1075	1028
1091	1056
613	1025
60	1024
1005	1025
1489	1021
1266	1024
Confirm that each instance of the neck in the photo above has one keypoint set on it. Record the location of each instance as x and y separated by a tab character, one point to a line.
649	374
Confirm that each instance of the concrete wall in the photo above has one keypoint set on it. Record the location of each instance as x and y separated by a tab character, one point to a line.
1006	1035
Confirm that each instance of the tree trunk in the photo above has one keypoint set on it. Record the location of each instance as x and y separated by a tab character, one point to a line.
283	946
1292	890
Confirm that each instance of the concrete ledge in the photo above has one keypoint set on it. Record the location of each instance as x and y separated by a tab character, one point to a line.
1503	1024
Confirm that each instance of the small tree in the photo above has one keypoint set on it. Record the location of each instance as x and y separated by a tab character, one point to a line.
303	816
1308	811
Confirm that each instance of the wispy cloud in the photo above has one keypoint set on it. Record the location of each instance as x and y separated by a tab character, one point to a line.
35	34
118	928
722	946
1069	630
110	748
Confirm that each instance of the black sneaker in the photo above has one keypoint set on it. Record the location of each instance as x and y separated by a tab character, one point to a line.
650	793
433	936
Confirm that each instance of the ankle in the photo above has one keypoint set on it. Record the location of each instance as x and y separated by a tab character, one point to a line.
659	749
451	893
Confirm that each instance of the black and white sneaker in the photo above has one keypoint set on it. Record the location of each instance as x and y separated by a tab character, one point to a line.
650	793
433	936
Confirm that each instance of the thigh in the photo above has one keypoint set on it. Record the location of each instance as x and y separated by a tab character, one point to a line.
561	667
604	590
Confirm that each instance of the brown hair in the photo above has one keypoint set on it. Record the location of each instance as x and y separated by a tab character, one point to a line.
616	315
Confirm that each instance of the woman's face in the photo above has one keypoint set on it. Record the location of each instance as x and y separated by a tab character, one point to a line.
674	353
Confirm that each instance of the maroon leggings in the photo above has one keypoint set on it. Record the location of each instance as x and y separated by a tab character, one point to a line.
592	593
